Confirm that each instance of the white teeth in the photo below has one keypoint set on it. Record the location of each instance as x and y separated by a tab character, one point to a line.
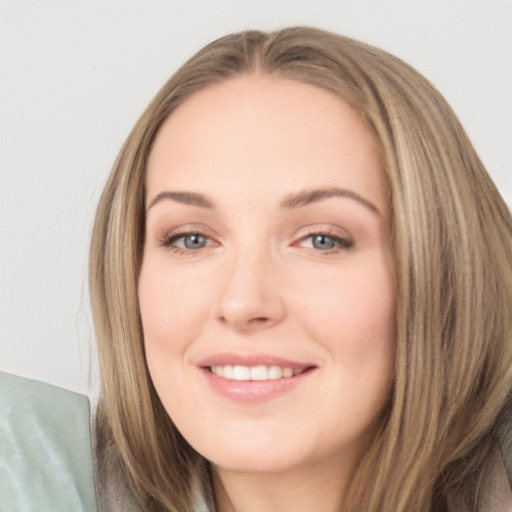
227	371
275	372
242	373
260	372
287	372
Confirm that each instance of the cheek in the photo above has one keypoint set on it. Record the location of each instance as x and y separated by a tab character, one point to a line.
353	318
172	312
353	308
351	314
171	305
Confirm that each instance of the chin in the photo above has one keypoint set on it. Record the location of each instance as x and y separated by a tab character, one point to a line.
255	461
252	454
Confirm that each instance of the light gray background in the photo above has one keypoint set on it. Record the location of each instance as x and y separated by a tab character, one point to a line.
76	74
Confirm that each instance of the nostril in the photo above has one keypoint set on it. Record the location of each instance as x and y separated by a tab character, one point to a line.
260	319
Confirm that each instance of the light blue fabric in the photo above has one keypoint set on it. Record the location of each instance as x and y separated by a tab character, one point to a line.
45	448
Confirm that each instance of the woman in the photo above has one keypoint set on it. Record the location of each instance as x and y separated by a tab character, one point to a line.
301	284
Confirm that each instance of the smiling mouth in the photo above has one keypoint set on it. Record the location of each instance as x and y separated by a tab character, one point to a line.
256	373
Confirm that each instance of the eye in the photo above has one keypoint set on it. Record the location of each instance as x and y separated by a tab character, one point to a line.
323	242
194	241
187	242
326	242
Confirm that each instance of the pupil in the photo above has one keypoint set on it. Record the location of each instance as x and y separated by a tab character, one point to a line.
194	241
323	242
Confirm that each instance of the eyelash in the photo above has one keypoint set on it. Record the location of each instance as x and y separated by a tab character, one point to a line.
168	242
341	244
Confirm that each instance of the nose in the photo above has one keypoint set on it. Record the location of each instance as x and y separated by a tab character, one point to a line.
250	297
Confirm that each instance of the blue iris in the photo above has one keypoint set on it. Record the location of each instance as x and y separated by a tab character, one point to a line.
194	241
323	242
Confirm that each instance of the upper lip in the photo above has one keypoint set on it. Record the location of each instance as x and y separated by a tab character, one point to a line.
252	360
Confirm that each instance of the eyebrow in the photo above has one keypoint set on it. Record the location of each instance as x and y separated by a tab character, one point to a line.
309	196
291	201
190	198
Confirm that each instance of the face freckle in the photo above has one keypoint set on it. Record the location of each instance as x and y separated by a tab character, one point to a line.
266	290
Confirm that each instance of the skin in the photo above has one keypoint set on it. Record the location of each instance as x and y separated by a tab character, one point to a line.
260	284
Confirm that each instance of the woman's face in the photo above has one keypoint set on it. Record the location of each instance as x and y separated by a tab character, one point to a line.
266	288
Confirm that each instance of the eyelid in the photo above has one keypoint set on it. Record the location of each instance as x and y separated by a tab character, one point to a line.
344	240
170	237
343	243
319	228
166	231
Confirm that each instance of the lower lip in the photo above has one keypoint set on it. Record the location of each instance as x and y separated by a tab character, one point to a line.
252	391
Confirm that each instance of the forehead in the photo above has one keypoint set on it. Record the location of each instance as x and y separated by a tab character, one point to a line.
257	129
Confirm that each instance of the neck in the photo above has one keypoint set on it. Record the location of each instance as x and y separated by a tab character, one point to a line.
298	490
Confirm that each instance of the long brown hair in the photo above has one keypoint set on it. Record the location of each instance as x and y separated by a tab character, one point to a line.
452	240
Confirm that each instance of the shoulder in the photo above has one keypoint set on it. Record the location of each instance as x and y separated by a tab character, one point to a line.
496	493
112	487
45	454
